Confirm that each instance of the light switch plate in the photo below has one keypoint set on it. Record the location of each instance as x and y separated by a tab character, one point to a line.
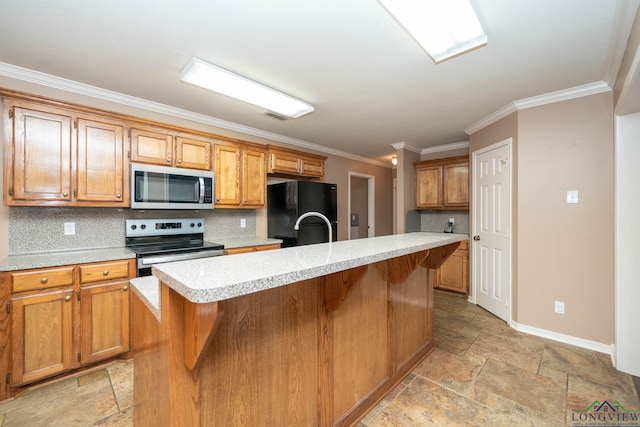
572	196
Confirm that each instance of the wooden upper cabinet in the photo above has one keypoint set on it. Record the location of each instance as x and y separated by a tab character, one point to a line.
42	146
168	148
101	170
442	184
241	177
293	163
148	146
254	178
227	179
456	185
428	187
193	152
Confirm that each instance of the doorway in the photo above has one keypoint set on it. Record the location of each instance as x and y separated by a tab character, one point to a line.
361	205
491	228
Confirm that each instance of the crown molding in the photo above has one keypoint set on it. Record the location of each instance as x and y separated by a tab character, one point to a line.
31	76
404	146
446	147
535	101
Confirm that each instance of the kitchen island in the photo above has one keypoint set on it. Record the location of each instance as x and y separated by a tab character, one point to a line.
306	336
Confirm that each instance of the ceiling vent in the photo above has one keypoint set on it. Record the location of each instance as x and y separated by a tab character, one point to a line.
275	116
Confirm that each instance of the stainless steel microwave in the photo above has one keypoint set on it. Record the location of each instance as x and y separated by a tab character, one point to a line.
163	187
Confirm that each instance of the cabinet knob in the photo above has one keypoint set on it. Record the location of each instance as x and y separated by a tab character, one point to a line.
476	238
105	273
125	288
179	161
119	196
65	194
44	280
168	159
67	298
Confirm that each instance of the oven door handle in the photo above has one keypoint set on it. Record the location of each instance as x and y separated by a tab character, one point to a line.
201	199
156	259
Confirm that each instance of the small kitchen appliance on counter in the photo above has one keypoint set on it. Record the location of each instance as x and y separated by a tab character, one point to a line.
164	240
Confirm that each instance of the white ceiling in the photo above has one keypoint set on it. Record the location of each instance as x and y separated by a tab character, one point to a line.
370	82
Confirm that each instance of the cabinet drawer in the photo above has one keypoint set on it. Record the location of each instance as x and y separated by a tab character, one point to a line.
106	271
41	279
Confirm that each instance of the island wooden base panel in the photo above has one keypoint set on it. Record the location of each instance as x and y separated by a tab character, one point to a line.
320	352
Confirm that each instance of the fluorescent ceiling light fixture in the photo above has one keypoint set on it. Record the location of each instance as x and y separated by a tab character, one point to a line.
209	76
444	28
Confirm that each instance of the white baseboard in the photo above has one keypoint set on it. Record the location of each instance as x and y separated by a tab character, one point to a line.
567	339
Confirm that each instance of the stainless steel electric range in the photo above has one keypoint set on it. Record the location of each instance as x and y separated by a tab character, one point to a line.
164	240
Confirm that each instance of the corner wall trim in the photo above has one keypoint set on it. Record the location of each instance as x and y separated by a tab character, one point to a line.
535	101
567	339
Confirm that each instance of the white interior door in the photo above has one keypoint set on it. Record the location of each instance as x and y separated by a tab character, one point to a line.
491	215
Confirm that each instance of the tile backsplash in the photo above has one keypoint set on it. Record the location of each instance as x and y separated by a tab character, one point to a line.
436	220
33	229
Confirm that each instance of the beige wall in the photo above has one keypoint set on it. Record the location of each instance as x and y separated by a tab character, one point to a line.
561	251
405	187
566	250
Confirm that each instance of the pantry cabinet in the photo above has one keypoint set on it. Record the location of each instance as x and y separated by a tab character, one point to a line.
63	318
241	180
442	184
167	147
59	157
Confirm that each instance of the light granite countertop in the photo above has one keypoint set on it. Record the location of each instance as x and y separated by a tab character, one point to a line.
219	278
58	258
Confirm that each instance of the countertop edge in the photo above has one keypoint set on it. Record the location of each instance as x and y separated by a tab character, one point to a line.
60	258
240	288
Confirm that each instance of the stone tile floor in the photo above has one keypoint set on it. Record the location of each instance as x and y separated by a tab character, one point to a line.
481	373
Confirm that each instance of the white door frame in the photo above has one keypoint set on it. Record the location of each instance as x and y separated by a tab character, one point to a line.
371	202
474	213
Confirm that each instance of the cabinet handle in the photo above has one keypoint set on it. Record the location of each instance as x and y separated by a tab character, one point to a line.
67	298
44	280
105	273
179	161
125	288
168	159
65	194
119	196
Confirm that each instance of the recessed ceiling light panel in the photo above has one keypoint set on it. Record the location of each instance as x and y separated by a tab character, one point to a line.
444	28
214	78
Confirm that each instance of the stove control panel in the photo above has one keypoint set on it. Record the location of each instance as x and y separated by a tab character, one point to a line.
163	227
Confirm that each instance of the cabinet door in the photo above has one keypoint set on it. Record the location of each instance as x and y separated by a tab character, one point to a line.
313	168
42	155
428	183
104	319
151	147
41	335
100	172
284	162
227	181
453	275
456	185
193	153
254	178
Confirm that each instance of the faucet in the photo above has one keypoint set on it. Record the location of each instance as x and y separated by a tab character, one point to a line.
318	214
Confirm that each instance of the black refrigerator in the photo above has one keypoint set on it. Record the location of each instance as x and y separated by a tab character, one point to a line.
286	201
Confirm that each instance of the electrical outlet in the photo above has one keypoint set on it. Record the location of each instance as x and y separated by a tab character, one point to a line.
69	228
243	223
559	307
452	220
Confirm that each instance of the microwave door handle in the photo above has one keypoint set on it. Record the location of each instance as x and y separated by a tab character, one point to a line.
201	199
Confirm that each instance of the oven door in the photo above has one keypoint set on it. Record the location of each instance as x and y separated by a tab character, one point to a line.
161	187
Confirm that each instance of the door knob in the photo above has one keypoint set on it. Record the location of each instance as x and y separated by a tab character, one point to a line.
476	238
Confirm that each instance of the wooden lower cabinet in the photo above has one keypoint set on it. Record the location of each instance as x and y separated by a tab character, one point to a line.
41	335
104	317
454	273
66	324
